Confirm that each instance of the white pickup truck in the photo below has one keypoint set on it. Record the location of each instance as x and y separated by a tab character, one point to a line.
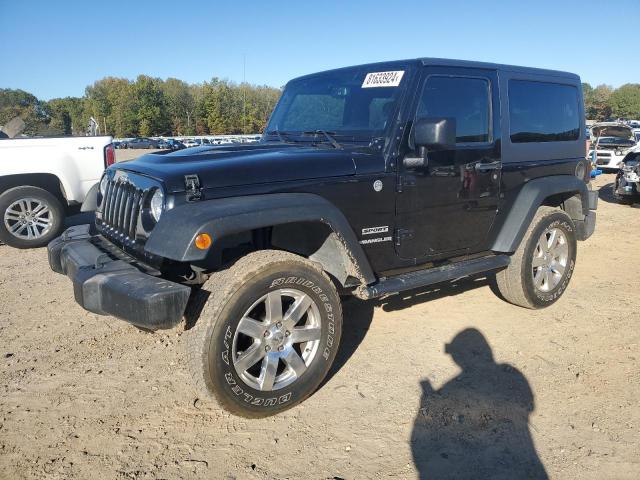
42	179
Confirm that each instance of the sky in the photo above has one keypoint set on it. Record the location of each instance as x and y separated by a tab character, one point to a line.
56	48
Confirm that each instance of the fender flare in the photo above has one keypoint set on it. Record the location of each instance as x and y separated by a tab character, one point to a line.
173	237
527	202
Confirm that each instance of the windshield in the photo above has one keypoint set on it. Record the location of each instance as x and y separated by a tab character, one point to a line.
356	102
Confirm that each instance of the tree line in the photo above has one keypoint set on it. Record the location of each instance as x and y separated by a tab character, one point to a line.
604	102
150	106
146	106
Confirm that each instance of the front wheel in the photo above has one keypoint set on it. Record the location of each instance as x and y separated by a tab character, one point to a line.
542	266
29	217
267	334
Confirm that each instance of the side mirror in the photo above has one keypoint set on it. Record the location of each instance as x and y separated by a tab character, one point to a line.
431	134
434	133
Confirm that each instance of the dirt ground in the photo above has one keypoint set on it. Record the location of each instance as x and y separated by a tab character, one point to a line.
84	396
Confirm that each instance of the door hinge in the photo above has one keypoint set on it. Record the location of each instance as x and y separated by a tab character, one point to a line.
405	181
402	234
193	189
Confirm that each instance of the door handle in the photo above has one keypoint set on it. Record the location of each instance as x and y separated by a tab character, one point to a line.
485	167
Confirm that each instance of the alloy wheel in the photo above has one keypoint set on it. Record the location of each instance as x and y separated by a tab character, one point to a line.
277	339
28	218
550	259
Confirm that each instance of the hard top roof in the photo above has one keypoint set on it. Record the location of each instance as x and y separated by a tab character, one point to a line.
445	62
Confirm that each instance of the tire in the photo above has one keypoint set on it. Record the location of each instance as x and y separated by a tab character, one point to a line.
217	345
20	202
516	283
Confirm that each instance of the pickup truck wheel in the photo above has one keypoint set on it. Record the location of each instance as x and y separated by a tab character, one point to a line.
267	333
541	268
30	217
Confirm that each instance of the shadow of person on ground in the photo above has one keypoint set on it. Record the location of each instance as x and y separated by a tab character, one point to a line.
476	425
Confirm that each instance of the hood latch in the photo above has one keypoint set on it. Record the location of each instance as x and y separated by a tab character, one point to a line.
192	186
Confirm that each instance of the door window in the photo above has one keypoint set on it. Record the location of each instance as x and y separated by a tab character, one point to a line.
466	99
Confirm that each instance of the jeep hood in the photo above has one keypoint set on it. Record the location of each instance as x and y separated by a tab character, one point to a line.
237	165
612	130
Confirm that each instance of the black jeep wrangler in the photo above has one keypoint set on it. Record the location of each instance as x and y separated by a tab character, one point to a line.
368	181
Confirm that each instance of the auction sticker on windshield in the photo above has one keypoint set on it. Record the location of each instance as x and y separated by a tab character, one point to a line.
383	79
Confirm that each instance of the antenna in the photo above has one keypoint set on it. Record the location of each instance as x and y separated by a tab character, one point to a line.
244	93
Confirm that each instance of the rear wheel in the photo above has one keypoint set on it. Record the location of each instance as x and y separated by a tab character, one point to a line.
29	217
267	334
541	267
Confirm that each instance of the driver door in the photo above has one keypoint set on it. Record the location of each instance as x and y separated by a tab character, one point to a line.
446	207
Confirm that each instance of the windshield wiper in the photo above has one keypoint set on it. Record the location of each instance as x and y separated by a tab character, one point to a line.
281	136
327	135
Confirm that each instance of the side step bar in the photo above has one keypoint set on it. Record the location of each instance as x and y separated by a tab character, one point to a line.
431	276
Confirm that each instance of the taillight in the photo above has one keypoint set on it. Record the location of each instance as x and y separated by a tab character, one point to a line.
109	155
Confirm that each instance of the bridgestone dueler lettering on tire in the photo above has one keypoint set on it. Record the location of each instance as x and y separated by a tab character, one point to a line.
542	266
267	334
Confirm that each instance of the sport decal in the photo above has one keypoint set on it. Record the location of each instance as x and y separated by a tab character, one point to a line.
372	230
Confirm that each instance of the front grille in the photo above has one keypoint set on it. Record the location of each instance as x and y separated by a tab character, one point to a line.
122	204
603	157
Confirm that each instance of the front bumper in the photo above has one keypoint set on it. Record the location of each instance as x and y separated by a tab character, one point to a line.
607	159
106	282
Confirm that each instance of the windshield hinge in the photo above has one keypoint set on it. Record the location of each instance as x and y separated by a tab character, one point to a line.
405	180
193	189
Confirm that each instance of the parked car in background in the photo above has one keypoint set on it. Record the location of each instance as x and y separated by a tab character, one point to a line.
142	142
175	144
611	142
190	142
42	179
163	144
636	134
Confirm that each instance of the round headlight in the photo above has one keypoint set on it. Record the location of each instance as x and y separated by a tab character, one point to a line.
618	152
156	205
103	185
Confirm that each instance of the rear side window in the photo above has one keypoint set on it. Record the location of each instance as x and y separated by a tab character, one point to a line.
463	98
543	112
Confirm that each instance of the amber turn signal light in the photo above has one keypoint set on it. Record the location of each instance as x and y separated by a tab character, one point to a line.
203	241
